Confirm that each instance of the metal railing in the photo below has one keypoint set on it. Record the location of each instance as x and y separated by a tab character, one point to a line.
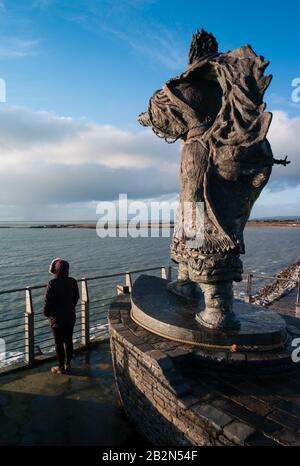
30	336
30	332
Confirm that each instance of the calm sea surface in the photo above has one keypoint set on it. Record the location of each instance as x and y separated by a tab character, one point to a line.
27	252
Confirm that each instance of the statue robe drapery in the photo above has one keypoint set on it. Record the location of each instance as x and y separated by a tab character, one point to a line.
226	159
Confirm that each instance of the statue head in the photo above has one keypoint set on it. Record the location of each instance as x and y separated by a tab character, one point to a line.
203	43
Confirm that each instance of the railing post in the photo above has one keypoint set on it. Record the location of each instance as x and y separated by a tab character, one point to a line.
298	299
166	273
247	297
85	314
29	328
122	289
128	281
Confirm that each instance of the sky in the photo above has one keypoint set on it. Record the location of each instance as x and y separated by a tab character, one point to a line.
77	75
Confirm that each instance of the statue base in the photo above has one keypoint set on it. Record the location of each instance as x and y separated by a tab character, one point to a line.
262	334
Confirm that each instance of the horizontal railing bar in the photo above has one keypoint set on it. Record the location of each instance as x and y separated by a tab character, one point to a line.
8	335
98	309
43	325
51	338
47	331
13	357
17	347
102	331
41	319
16	290
98	277
99	315
99	330
97	322
15	341
12	326
103	304
98	335
36	327
100	322
48	346
99	306
119	274
43	341
11	319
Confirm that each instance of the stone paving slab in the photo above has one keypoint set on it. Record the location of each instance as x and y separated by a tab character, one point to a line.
40	408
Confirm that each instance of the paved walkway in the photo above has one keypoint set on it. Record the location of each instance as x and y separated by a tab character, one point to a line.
39	408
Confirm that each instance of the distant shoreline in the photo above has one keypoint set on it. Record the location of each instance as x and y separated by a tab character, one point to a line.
250	223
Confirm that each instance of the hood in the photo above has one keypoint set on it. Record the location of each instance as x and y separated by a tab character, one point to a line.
59	268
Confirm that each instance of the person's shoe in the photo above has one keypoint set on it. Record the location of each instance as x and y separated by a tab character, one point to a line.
58	370
67	368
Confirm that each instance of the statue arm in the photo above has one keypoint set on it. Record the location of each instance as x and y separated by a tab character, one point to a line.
270	157
144	119
283	162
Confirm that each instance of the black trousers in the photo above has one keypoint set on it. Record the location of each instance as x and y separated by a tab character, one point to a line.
63	338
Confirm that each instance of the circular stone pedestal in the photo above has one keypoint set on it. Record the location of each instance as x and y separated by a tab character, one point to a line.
161	312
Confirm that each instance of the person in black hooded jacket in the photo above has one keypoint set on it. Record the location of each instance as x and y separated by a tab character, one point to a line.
61	297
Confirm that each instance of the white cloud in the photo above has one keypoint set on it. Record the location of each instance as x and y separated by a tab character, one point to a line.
284	138
48	160
12	47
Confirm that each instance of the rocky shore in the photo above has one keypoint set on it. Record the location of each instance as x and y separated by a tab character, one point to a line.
256	223
285	282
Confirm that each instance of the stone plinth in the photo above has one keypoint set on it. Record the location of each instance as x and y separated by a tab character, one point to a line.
262	335
173	399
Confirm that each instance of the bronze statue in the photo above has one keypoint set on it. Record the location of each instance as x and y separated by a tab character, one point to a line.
216	108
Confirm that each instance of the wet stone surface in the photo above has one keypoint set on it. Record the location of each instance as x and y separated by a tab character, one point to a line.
40	408
166	314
